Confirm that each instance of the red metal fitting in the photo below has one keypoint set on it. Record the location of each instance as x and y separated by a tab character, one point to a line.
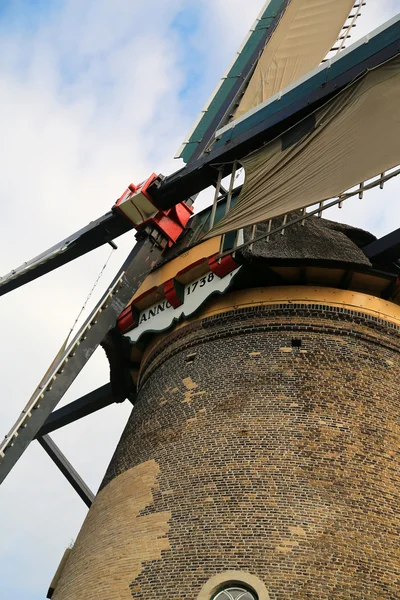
128	319
137	206
174	292
222	266
172	222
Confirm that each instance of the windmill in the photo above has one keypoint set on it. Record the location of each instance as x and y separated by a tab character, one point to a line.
294	139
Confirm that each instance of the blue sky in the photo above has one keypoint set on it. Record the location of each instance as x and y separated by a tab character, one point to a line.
26	14
94	95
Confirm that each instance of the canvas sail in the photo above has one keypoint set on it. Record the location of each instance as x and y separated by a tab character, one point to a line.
352	138
303	37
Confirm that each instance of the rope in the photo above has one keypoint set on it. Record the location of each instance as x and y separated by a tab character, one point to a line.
89	295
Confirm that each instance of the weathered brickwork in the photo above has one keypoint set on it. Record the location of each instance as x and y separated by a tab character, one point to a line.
116	540
264	440
276	434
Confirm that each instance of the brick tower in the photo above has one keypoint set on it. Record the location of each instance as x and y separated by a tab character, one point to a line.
258	343
259	460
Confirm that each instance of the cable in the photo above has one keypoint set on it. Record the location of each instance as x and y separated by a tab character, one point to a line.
90	294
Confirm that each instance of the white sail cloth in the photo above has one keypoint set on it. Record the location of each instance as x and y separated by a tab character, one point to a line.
306	32
352	138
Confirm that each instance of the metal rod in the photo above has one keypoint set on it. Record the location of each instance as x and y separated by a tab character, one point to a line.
231	186
223	191
283	224
235	243
269	228
229	199
253	233
67	469
216	195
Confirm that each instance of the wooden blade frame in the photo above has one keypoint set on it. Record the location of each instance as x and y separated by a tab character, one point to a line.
65	369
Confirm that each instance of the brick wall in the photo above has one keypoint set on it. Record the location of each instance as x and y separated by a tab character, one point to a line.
273	437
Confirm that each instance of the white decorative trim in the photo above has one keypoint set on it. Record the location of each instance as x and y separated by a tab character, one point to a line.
161	315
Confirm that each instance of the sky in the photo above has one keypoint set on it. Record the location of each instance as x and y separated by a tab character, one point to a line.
95	95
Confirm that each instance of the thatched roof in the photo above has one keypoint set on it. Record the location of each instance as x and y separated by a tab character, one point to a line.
317	241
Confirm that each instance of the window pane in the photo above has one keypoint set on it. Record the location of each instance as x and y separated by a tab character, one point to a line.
235	593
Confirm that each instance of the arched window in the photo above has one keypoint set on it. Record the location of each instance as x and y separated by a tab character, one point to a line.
235	593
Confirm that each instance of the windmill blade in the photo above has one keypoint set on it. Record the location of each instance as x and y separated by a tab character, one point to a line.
305	34
233	142
352	138
346	31
272	118
69	363
288	39
97	233
232	82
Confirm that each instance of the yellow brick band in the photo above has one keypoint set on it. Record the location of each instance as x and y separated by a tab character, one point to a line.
350	300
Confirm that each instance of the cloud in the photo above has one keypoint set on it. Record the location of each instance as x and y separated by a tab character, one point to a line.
89	103
94	95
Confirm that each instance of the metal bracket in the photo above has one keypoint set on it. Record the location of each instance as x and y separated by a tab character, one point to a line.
84	406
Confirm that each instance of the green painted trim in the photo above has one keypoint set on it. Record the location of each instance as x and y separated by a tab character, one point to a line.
227	85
